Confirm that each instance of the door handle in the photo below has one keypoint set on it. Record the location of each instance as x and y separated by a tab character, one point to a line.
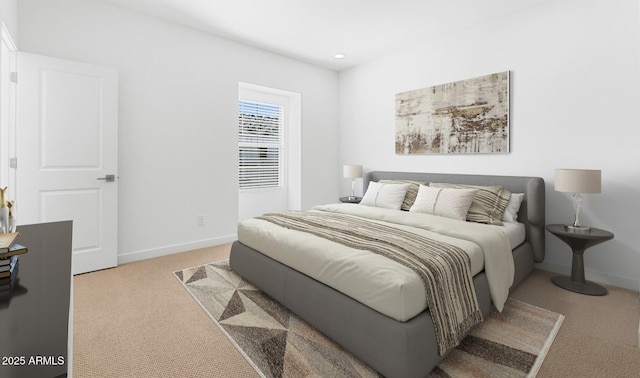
108	178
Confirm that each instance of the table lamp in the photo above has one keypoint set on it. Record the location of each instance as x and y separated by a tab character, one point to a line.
578	181
353	172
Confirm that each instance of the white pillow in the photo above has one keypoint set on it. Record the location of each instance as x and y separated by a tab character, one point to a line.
445	202
511	212
389	196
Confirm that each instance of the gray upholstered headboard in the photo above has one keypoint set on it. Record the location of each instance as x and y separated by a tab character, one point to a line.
532	210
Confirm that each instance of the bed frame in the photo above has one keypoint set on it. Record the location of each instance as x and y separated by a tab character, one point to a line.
393	348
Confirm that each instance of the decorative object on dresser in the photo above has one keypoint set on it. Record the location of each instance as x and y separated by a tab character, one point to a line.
7	218
9	259
577	181
353	172
464	117
579	241
7	241
4	212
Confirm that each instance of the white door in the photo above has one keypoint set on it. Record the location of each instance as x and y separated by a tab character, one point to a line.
67	130
7	113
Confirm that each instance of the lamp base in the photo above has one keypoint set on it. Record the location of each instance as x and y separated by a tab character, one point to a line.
573	228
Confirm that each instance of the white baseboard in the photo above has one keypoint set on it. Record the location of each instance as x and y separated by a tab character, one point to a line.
176	248
592	275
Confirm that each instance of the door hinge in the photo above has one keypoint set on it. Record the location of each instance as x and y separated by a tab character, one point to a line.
14	77
13	163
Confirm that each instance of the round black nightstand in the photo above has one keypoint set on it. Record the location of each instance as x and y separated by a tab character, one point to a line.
579	241
350	199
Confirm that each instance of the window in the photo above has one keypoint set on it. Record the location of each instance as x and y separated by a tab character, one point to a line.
260	145
269	150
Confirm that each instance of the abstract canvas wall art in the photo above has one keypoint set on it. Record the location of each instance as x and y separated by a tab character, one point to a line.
464	117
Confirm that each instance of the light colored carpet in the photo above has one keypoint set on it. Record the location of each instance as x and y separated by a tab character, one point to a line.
598	335
279	344
135	321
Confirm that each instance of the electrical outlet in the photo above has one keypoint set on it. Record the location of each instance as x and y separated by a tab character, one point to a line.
200	220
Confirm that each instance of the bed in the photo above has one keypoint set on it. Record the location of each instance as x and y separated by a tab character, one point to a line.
395	347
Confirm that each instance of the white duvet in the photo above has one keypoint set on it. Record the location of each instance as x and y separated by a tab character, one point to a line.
375	281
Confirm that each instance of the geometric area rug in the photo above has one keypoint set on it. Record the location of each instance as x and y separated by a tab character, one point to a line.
279	344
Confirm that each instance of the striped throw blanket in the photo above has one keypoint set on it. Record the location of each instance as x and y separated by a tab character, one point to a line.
444	269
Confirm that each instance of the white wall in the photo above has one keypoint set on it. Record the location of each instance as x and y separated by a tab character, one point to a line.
178	117
575	98
9	16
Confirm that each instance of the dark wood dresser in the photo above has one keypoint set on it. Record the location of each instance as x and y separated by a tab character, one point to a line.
34	317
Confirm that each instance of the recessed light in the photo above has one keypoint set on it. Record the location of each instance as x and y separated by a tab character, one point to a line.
339	56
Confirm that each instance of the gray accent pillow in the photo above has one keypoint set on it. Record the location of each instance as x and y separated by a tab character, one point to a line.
412	192
488	205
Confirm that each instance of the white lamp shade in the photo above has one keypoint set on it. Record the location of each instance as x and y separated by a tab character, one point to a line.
578	180
352	171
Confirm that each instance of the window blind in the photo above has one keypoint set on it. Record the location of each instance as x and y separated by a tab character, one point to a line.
259	145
